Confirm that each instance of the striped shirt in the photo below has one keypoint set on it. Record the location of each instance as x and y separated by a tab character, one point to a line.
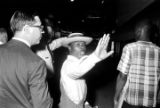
142	61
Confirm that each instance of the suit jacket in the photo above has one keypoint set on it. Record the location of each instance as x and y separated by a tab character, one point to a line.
22	78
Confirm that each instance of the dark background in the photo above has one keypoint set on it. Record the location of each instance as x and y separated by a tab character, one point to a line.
90	16
93	17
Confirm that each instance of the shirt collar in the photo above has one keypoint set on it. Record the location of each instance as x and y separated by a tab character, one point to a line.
75	58
144	41
22	40
1	43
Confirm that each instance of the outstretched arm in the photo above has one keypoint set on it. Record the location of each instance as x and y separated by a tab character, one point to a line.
57	43
87	63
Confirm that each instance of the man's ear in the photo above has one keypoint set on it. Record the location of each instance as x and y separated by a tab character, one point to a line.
26	28
37	19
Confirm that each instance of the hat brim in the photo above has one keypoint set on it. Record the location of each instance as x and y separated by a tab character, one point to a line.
85	39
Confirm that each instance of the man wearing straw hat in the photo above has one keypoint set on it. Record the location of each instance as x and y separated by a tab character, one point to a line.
73	86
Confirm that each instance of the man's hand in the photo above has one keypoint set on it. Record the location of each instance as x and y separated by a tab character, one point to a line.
101	49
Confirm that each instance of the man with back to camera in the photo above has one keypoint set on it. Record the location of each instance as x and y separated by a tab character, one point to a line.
140	70
22	72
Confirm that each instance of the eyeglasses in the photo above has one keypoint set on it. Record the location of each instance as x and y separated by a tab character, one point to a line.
40	27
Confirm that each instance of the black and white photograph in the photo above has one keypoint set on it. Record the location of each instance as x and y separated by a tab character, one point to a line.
80	54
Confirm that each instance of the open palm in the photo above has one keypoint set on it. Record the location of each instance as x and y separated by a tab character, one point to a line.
101	49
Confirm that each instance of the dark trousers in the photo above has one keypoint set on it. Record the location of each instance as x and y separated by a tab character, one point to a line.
126	105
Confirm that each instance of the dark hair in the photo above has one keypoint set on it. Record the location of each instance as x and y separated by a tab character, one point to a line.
20	19
3	30
147	26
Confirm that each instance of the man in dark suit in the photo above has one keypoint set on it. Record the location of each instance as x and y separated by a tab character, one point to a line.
22	72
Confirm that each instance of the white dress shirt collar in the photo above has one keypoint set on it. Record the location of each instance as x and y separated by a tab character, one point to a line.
22	40
75	58
1	43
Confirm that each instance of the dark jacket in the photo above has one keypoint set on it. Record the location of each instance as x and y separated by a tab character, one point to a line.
22	78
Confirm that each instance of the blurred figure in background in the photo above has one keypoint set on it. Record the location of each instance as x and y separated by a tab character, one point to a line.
45	49
47	45
139	79
3	36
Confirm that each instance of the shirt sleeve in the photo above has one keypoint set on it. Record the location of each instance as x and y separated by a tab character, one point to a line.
56	43
124	63
39	88
76	70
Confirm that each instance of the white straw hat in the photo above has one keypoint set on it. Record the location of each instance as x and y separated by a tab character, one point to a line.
73	37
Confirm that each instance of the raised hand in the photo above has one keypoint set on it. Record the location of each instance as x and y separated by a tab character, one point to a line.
101	49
